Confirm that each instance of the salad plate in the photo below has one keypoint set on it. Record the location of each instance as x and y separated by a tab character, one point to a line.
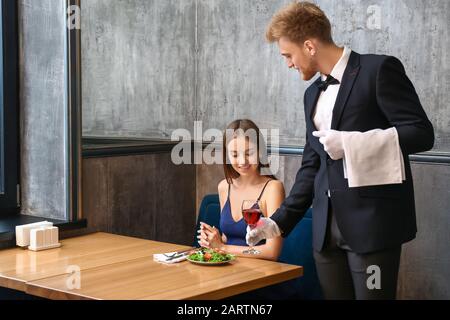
210	257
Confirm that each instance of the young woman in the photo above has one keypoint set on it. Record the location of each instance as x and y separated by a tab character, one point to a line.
242	155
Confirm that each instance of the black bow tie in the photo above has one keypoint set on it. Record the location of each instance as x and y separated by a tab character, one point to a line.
323	85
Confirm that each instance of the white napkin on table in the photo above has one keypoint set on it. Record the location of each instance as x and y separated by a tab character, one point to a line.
160	257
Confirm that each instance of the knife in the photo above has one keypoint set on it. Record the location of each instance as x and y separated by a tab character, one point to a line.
178	256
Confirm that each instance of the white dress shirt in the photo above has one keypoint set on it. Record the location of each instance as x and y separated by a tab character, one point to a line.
327	99
323	113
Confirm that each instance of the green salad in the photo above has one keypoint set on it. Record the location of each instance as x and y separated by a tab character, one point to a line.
210	255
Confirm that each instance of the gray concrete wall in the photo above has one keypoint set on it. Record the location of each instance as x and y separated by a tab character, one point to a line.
425	263
242	76
416	32
138	61
137	67
42	101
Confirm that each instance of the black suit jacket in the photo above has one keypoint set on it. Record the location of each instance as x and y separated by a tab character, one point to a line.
375	93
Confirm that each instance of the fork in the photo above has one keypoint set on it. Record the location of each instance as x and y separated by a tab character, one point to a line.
177	256
177	253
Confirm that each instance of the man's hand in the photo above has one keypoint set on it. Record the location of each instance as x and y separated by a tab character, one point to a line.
332	143
265	229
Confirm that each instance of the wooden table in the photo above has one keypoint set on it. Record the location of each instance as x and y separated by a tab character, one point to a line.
118	267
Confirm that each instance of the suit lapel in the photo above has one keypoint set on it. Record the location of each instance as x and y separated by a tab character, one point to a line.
348	79
312	102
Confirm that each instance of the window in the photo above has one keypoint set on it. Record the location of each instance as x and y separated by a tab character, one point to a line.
2	155
9	120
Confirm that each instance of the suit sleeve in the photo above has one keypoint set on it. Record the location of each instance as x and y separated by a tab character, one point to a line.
400	104
301	195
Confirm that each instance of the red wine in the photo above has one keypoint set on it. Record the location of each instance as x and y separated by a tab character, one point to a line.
251	216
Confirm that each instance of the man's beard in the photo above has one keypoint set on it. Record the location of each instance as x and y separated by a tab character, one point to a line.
307	76
309	73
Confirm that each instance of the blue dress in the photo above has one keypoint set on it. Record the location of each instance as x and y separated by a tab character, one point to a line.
235	231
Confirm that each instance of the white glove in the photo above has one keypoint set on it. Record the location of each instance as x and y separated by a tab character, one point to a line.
332	142
265	229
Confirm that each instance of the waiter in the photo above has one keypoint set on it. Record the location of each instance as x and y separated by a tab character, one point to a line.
363	120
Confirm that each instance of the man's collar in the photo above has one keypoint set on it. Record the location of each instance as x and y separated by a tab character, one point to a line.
339	68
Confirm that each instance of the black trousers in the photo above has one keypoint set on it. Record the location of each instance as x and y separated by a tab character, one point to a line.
344	274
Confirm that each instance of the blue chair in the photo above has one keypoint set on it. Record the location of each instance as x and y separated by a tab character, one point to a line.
209	213
297	250
10	295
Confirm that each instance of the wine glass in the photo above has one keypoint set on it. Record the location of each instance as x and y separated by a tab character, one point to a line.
251	212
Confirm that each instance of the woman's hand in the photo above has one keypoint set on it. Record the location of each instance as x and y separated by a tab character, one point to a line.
209	237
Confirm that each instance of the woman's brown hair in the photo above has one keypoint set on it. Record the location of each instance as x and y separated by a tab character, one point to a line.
245	125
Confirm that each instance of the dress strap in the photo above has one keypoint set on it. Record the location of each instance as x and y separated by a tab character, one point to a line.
259	198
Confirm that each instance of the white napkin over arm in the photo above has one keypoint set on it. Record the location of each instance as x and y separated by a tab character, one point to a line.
373	158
